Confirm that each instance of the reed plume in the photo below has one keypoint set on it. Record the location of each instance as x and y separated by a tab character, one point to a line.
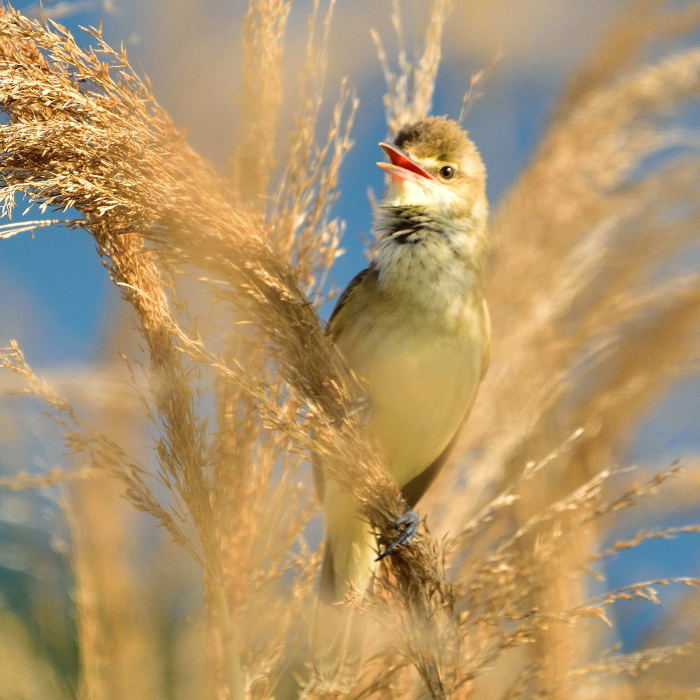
592	326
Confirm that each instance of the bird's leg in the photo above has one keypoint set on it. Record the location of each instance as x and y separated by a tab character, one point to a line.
407	524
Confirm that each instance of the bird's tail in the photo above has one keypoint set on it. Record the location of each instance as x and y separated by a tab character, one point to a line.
348	562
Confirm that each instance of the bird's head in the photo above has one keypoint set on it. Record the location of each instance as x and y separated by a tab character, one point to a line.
436	167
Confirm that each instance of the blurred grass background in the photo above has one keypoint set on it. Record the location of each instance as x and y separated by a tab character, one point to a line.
61	306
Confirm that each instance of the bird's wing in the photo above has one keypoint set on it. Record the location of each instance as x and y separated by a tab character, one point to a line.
332	329
332	326
416	487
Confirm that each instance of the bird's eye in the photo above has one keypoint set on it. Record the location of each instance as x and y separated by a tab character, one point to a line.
447	172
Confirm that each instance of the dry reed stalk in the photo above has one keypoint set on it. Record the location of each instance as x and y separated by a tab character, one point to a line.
302	229
574	352
570	378
411	87
118	644
259	481
52	108
260	99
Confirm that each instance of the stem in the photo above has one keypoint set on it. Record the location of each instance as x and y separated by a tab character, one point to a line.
229	640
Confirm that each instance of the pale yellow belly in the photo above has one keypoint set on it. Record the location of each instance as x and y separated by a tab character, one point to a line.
420	385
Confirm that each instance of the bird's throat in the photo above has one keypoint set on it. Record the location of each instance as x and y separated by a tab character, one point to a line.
427	262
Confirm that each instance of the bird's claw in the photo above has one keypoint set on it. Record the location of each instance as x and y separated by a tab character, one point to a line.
407	524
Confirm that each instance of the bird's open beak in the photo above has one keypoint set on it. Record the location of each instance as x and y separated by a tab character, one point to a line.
401	166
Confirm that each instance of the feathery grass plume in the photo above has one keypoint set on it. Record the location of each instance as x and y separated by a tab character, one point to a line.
61	101
120	647
592	327
22	481
181	450
301	227
260	98
574	346
411	88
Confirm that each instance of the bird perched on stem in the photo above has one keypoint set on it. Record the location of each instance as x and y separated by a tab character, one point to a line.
414	328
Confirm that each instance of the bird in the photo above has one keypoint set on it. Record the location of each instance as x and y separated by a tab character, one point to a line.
414	328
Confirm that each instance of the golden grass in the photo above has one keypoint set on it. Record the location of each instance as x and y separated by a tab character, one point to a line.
591	329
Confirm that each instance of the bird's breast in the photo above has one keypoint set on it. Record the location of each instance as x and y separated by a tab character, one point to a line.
426	273
421	378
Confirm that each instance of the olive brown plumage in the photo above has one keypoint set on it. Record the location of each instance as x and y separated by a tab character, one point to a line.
414	328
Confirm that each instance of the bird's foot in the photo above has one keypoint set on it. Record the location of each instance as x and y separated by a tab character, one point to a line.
407	525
